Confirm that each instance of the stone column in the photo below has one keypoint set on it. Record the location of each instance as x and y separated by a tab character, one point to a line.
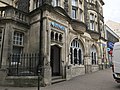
7	43
45	50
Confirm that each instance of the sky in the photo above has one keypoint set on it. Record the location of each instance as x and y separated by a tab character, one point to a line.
111	10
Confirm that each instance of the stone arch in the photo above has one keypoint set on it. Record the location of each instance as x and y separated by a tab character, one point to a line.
82	42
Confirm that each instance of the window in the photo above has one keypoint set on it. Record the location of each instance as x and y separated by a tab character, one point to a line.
91	25
92	17
92	22
60	37
75	56
55	2
52	35
74	2
18	39
80	59
76	52
55	36
74	13
17	46
94	58
36	3
94	55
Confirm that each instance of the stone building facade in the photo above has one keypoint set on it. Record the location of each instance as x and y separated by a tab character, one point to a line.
66	34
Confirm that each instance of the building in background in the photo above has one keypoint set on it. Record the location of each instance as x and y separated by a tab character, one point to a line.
60	38
115	26
111	37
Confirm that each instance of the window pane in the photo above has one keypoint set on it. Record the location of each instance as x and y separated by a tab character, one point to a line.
75	56
92	58
71	55
73	13
80	60
18	38
91	16
55	2
91	25
74	2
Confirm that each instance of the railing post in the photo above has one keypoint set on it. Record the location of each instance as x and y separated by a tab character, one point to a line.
39	79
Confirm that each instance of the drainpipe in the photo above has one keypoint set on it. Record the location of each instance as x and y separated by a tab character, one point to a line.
41	62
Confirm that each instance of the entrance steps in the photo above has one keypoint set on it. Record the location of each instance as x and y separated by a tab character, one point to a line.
57	79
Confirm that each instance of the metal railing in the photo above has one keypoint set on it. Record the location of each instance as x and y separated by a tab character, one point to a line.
23	64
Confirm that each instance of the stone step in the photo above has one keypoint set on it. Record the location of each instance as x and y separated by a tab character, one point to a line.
57	81
56	77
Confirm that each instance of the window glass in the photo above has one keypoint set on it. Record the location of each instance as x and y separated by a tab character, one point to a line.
74	2
55	2
76	52
74	13
91	25
18	38
91	16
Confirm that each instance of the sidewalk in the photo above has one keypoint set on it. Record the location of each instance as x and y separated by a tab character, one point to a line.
18	88
100	80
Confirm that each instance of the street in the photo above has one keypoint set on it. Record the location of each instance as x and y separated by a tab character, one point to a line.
101	80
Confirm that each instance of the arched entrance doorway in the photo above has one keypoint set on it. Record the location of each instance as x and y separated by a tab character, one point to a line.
55	60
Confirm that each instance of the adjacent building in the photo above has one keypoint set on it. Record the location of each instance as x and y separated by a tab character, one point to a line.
115	26
60	38
111	37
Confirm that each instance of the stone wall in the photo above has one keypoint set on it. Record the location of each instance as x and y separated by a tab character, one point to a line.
95	68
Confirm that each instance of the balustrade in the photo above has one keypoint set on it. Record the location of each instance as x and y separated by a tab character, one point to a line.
13	13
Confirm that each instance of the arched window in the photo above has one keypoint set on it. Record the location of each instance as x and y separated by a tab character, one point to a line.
52	35
76	51
94	55
60	38
56	36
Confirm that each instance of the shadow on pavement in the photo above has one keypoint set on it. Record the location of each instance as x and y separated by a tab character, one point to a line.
117	86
